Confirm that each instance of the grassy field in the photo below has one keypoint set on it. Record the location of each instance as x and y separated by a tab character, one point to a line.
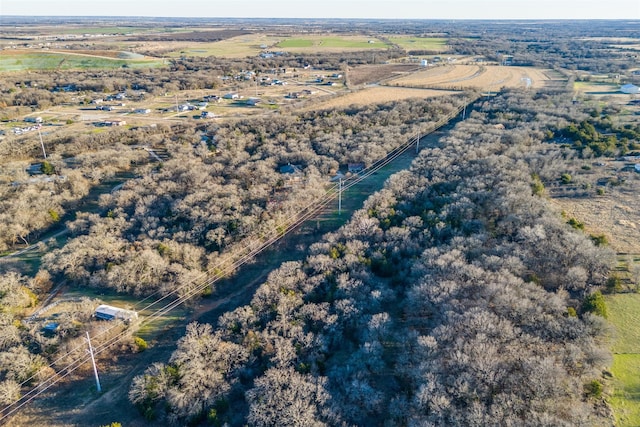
235	47
323	43
296	43
436	44
595	87
624	313
18	61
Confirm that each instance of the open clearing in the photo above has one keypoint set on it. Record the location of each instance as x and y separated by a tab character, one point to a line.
615	214
434	44
624	313
330	44
376	95
18	60
376	73
253	44
597	88
235	47
483	77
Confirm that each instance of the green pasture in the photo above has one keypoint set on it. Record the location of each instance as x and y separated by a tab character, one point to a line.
253	44
55	61
624	313
235	47
420	43
295	43
332	43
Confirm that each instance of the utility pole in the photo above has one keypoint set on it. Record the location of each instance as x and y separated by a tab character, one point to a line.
340	198
177	109
417	142
44	153
464	111
93	361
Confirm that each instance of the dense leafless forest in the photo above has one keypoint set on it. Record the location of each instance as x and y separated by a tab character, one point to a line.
458	294
454	297
161	231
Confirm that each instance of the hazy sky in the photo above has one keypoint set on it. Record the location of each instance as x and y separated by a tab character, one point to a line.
419	9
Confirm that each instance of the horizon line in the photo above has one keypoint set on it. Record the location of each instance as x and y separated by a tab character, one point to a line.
316	18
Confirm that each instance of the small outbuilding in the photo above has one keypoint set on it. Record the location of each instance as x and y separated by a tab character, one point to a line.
109	312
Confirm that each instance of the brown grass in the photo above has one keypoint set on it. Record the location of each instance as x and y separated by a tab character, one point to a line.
377	94
376	73
475	76
616	214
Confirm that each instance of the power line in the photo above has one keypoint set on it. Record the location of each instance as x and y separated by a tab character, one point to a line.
237	258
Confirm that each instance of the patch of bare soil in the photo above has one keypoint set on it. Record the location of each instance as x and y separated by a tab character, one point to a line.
475	76
375	73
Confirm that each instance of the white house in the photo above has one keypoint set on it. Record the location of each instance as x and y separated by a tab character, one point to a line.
630	89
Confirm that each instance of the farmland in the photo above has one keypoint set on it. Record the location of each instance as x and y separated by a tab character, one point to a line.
483	77
433	44
378	94
235	47
19	60
330	44
375	73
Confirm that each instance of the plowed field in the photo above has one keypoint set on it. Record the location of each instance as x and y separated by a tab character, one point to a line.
378	94
483	77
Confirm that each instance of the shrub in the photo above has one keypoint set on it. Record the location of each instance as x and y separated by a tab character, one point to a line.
536	185
594	389
614	284
600	240
47	168
576	224
55	216
595	304
140	343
